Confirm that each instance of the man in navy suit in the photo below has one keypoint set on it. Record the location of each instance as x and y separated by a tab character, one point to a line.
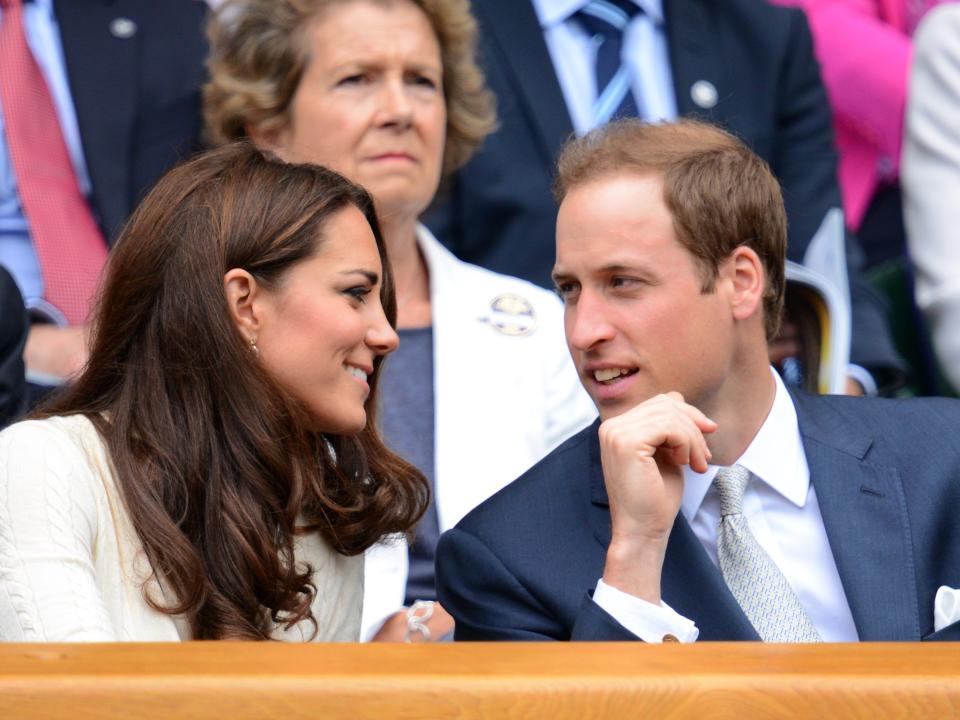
741	64
670	259
125	77
13	336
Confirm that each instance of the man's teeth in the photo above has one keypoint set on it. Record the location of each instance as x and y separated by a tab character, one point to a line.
609	374
357	372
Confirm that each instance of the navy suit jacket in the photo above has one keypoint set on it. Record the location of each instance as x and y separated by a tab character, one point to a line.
137	98
13	338
499	210
522	566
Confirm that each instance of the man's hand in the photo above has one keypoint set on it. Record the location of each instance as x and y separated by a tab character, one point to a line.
60	352
440	624
643	452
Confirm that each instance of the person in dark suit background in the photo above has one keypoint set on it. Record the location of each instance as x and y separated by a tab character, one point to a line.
670	259
125	78
13	336
742	64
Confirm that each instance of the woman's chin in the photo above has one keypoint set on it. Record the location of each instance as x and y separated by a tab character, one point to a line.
343	426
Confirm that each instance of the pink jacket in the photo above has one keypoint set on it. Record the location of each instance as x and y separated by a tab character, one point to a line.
864	49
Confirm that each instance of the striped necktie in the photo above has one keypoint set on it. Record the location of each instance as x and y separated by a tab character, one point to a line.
606	21
69	245
764	594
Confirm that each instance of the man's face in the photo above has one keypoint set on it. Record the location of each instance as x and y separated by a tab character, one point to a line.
636	321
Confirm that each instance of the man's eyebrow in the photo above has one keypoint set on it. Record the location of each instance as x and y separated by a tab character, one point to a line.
558	275
372	277
619	267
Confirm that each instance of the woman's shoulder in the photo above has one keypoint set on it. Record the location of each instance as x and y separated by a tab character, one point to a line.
65	433
59	451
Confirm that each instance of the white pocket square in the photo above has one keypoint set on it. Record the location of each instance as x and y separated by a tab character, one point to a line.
946	607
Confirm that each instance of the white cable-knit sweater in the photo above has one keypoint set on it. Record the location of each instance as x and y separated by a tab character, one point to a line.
73	569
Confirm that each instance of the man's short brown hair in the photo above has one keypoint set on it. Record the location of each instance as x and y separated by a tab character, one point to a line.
720	194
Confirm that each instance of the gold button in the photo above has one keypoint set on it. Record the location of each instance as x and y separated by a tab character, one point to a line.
670	638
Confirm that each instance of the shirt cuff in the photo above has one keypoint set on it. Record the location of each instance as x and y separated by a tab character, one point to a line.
651	623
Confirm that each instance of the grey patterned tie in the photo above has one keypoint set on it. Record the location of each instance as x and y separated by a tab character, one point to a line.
756	582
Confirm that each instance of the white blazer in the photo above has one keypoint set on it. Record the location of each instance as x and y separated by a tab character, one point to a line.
506	393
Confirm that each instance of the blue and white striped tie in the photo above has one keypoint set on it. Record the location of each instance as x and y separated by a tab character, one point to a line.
606	21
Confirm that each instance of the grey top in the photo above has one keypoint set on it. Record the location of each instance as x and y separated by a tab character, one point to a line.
408	430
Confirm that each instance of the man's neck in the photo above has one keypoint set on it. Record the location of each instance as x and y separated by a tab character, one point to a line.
740	412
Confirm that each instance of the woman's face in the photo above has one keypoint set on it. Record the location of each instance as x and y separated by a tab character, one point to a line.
321	328
370	103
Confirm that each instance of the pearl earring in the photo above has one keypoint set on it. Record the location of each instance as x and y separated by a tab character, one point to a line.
254	349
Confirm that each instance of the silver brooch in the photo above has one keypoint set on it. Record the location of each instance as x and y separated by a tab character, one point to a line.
123	28
704	94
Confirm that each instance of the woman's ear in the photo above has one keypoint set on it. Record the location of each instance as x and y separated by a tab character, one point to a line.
745	272
272	141
243	291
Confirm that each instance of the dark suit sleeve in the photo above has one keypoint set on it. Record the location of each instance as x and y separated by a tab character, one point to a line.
806	164
804	158
13	337
488	602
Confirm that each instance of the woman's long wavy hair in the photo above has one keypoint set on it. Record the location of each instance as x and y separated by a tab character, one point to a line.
218	466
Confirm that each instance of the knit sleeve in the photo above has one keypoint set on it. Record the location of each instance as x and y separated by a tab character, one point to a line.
48	531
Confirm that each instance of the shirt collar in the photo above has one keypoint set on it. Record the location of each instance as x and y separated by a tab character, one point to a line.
775	456
555	12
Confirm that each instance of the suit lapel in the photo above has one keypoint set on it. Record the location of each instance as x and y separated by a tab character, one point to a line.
103	84
691	584
863	509
514	35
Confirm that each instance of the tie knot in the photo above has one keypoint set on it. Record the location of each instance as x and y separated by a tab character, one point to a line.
731	482
606	17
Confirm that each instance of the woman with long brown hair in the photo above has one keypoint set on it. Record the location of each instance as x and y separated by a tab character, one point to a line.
215	472
390	94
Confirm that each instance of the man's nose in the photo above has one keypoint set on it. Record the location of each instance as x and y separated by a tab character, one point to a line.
587	322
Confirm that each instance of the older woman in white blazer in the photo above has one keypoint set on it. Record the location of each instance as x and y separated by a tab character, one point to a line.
482	386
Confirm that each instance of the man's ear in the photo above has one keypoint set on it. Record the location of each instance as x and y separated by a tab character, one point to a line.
744	271
243	295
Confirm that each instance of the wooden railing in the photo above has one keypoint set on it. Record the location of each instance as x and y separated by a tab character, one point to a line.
553	681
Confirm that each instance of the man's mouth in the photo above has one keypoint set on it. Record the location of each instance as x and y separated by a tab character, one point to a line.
608	376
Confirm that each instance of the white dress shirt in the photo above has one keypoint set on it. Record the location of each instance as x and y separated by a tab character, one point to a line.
574	57
780	505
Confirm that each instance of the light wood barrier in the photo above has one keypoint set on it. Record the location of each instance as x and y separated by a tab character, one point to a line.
555	681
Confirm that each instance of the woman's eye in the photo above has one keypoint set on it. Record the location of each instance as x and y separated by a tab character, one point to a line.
424	81
351	80
358	293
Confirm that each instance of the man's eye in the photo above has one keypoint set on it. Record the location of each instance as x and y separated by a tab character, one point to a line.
624	282
565	289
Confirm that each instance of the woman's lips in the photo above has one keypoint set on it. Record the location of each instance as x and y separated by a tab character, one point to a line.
394	156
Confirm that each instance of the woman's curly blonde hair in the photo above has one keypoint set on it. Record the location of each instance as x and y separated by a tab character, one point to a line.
258	53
